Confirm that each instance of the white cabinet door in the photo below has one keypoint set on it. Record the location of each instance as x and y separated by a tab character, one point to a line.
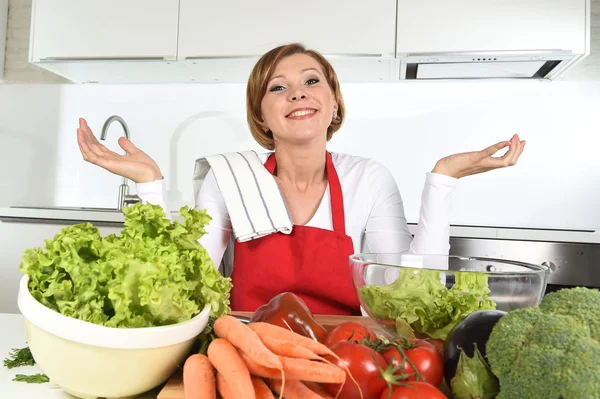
104	29
476	25
250	28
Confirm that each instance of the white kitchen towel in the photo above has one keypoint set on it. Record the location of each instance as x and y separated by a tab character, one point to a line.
254	202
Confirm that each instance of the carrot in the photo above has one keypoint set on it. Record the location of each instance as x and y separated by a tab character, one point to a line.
261	390
199	378
313	386
289	349
246	340
293	390
263	330
226	359
224	389
298	369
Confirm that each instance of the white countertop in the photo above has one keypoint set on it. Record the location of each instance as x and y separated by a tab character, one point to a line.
504	233
108	215
12	335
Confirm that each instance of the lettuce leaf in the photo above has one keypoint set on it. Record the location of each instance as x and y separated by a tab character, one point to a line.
155	272
419	298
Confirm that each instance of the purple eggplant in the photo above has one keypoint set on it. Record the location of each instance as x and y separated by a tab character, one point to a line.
475	328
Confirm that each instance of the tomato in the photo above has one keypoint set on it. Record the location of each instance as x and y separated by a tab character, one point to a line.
349	331
414	390
437	343
362	363
425	357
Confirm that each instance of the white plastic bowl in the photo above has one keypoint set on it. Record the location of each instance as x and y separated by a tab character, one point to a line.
91	361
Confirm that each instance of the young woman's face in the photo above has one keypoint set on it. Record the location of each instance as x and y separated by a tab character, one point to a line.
299	104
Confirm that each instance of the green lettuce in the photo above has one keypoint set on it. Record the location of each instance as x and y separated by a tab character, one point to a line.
419	298
153	273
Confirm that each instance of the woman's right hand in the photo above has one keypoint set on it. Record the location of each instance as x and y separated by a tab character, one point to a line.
136	165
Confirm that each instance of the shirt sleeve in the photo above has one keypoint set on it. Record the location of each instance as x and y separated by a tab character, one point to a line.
387	228
218	231
154	192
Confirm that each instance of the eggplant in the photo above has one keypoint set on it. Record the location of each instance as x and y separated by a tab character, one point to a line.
475	328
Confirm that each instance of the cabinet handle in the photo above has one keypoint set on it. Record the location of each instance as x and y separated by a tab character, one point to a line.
65	59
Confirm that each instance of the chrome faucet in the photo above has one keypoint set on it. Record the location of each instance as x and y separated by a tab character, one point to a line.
124	197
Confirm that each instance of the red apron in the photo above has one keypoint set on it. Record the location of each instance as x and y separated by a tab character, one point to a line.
311	262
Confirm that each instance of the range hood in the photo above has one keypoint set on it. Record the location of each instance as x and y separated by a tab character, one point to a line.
474	39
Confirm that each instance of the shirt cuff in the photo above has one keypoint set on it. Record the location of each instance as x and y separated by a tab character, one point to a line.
152	187
439	180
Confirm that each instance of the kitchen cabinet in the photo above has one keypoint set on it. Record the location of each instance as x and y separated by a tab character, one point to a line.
239	28
104	29
474	25
221	41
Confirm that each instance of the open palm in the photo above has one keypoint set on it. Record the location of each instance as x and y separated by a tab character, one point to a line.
136	165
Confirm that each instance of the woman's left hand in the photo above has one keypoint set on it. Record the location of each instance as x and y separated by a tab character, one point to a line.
471	163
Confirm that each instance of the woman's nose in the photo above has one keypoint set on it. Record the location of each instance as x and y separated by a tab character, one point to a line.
298	97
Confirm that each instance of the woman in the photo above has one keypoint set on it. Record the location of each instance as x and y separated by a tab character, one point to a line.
339	204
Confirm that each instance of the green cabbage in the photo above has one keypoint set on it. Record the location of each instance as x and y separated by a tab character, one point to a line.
419	298
154	273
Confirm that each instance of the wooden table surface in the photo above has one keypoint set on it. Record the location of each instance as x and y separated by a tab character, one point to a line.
173	389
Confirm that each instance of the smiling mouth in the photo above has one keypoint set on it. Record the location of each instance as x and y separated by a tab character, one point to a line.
301	113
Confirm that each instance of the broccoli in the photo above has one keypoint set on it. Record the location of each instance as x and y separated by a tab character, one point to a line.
581	303
550	352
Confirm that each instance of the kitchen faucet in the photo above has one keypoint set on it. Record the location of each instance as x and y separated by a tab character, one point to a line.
124	197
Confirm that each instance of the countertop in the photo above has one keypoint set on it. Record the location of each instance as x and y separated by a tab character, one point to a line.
65	215
12	335
115	218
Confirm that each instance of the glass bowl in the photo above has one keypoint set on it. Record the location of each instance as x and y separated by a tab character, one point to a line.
427	295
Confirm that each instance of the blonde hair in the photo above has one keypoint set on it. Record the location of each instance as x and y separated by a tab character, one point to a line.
257	88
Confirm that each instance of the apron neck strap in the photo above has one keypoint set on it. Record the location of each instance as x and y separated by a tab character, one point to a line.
335	192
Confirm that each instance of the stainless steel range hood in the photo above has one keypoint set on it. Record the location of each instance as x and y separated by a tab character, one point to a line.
516	39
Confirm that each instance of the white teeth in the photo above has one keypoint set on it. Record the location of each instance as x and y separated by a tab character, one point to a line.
302	113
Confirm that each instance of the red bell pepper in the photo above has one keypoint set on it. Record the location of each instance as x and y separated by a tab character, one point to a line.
289	311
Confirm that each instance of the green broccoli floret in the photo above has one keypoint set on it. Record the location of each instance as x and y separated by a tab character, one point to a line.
579	302
545	353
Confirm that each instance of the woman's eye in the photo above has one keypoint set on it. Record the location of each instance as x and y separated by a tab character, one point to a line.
276	88
312	81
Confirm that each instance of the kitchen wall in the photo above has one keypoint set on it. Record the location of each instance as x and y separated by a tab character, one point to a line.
407	126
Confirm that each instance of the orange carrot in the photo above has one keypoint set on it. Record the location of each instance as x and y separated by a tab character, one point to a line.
226	359
263	330
243	338
293	390
313	386
289	349
224	389
261	390
298	369
199	378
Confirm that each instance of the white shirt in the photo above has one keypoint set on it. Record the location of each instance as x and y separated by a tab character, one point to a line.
374	211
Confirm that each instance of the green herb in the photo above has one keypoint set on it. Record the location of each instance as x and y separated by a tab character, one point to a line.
154	273
32	379
19	357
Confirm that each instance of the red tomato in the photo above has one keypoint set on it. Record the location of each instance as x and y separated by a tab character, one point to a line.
362	363
349	331
414	390
425	357
437	343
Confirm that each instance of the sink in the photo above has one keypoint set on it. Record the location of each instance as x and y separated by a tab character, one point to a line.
69	208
